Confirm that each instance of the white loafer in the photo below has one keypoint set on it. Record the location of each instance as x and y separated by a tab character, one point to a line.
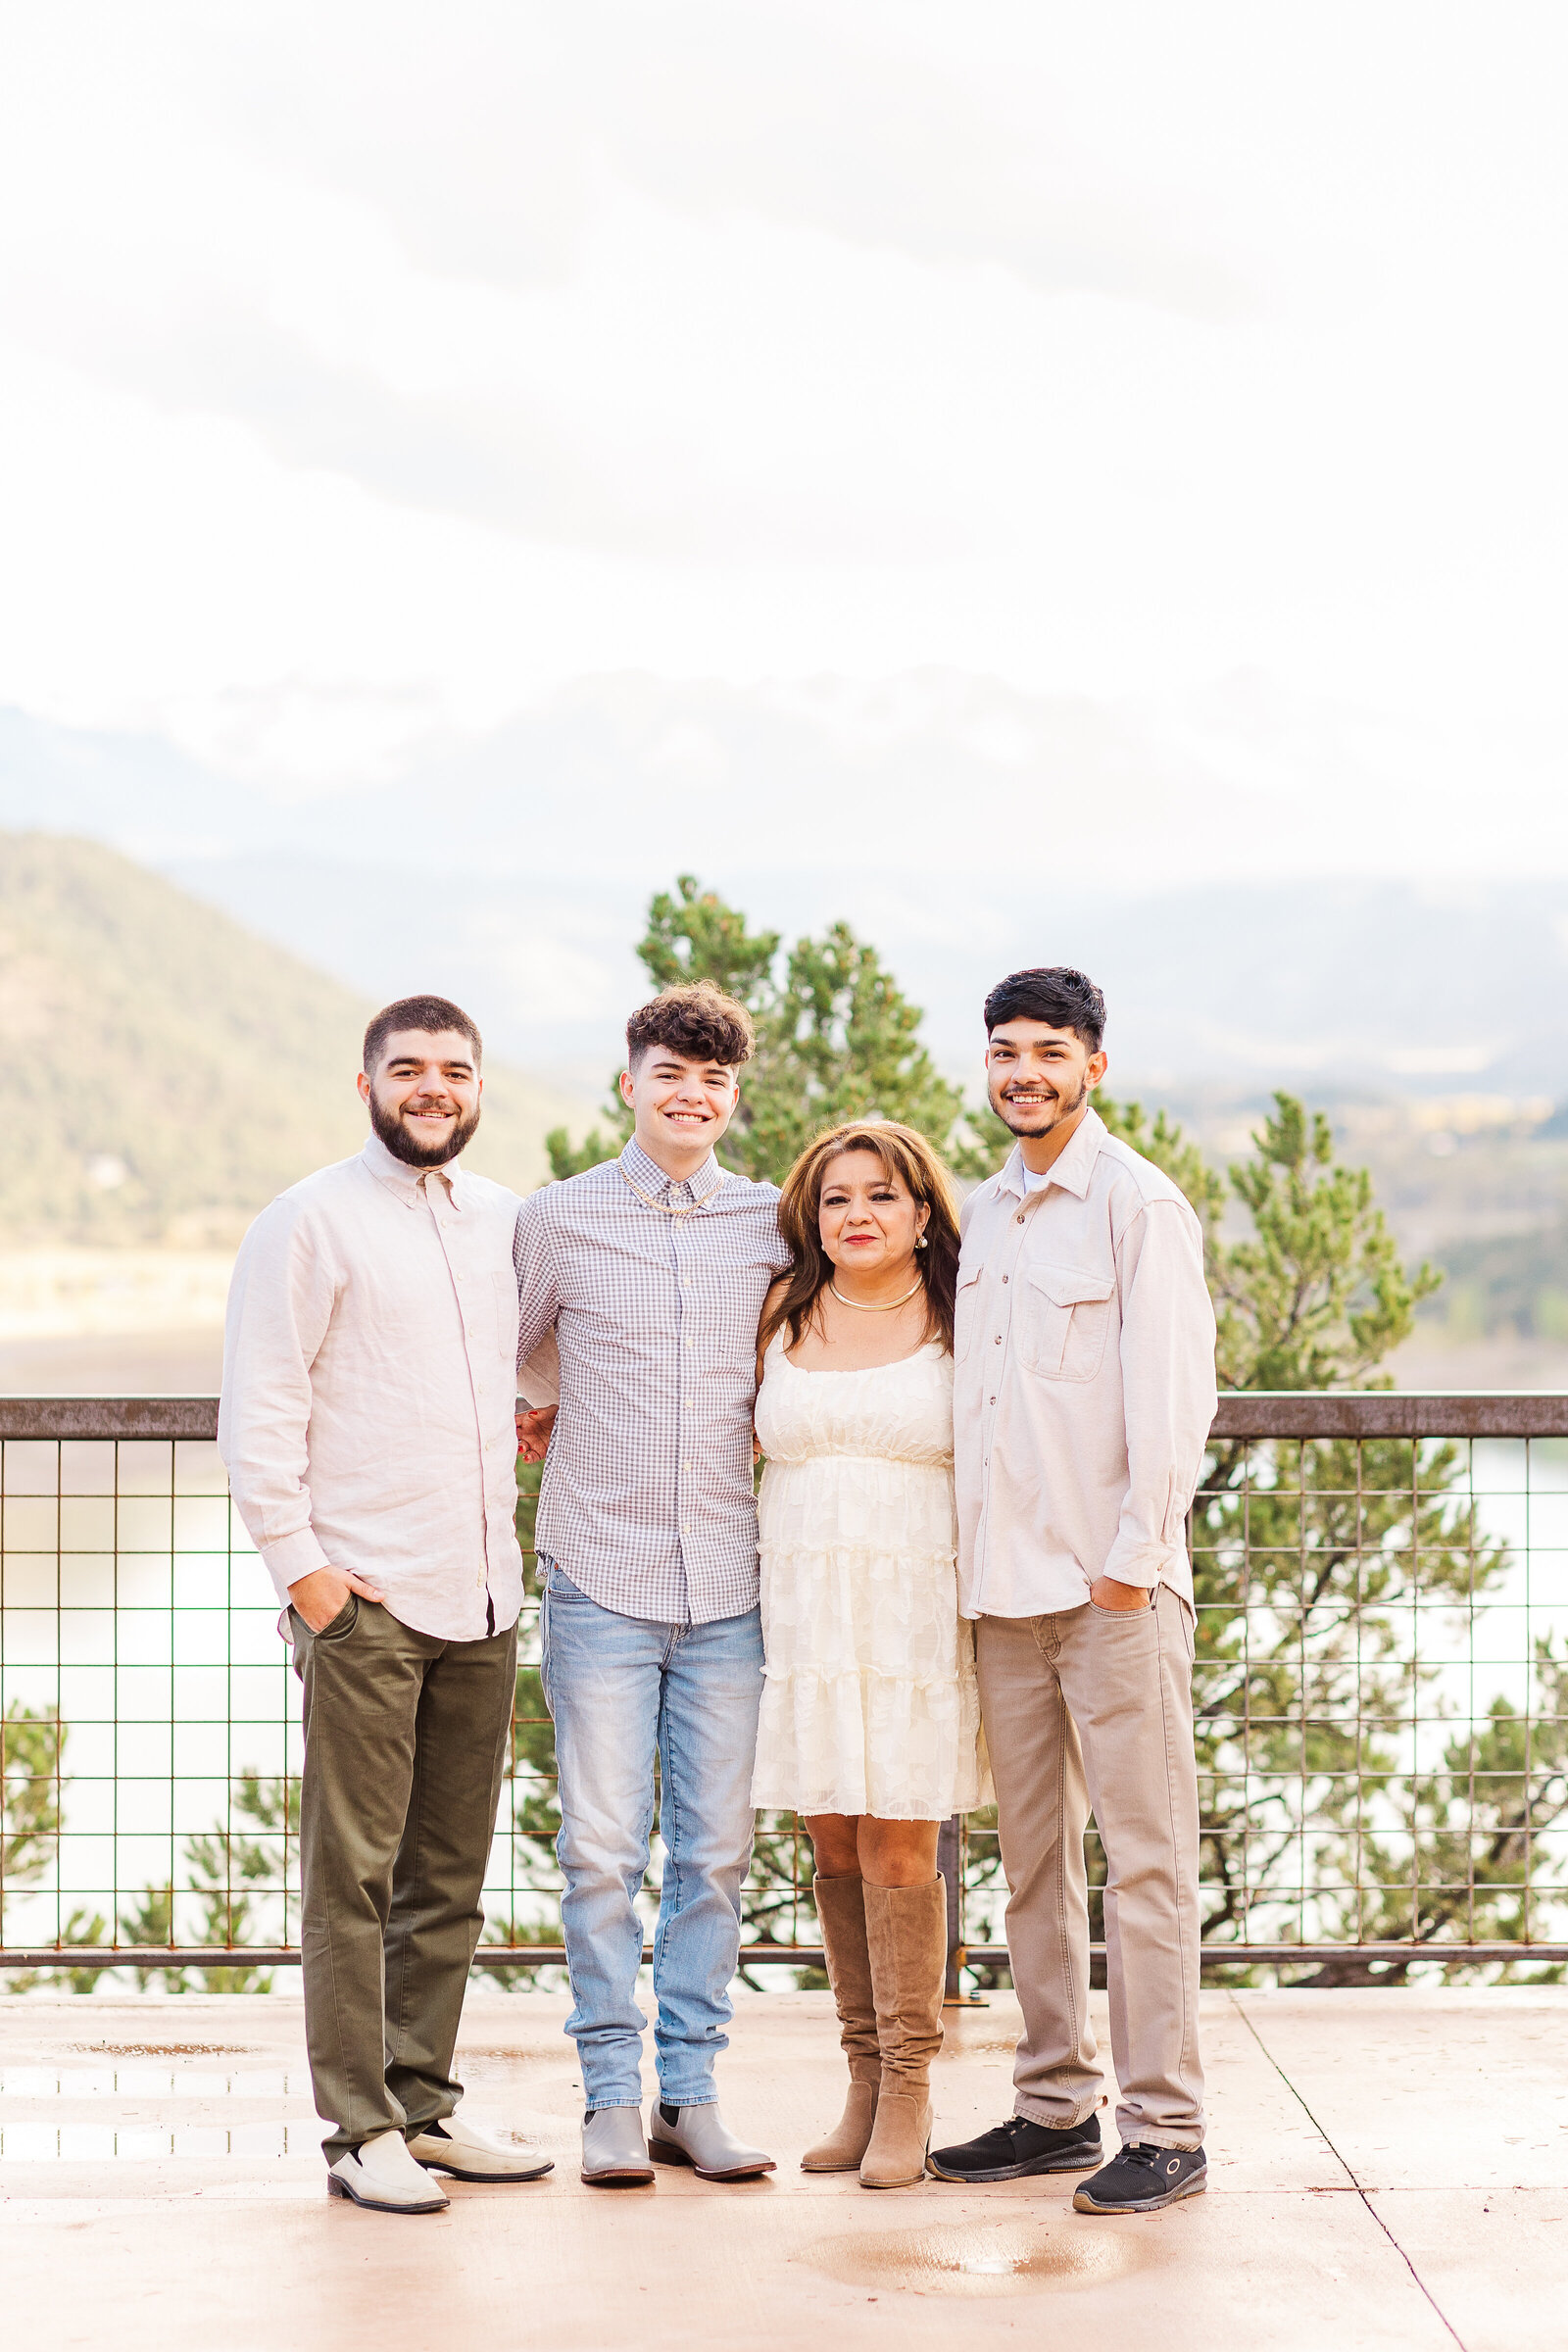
383	2177
470	2154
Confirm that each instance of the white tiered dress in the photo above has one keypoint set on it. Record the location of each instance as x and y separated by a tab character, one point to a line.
869	1704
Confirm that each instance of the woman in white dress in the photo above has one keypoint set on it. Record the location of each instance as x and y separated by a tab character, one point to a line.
870	1724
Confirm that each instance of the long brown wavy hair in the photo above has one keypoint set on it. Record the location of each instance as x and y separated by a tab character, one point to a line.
904	1155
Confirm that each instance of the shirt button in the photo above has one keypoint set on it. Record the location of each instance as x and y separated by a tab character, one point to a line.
1003	1282
998	1339
1021	1216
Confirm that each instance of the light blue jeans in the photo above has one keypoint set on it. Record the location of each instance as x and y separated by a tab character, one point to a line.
619	1688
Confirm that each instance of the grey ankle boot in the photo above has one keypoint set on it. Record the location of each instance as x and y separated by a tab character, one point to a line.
614	2153
701	2138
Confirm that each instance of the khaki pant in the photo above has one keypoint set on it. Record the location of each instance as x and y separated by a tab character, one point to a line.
405	1744
1094	1708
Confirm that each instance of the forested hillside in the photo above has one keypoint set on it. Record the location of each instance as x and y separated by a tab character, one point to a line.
169	1072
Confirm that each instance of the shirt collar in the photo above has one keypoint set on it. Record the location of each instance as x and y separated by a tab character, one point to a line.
647	1177
398	1177
1072	1170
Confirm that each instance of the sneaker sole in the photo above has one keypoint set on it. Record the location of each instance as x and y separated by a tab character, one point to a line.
664	2151
1193	2187
340	2188
1083	2160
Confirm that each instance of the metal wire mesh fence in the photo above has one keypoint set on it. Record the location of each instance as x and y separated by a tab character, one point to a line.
1381	1685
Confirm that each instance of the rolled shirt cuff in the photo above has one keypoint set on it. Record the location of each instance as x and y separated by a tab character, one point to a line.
291	1557
1137	1563
539	1379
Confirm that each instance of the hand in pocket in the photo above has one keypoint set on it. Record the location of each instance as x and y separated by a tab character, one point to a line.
1109	1593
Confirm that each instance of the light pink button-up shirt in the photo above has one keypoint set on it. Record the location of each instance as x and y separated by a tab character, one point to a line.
1084	1380
368	1389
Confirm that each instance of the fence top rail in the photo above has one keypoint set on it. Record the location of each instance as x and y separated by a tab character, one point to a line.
1392	1413
1243	1413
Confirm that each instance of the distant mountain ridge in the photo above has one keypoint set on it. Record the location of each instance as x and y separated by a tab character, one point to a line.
172	1071
1238	866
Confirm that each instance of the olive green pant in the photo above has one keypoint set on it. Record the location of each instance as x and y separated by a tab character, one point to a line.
405	1745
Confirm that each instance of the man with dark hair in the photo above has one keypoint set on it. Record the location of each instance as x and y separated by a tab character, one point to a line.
432	1016
649	1272
366	1425
1084	1391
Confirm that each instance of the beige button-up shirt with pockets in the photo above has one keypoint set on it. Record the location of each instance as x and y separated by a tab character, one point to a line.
1084	1380
369	1387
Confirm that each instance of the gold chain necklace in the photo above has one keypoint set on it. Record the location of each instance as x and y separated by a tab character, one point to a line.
667	1209
867	1306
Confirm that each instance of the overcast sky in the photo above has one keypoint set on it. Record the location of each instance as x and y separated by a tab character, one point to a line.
369	370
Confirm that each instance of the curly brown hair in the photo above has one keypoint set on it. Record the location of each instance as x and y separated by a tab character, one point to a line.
697	1021
906	1156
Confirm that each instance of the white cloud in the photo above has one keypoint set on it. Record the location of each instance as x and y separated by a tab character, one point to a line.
374	371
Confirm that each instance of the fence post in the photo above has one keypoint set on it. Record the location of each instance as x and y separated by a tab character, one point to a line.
949	1862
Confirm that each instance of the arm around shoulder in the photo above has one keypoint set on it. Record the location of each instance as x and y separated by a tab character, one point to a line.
538	1299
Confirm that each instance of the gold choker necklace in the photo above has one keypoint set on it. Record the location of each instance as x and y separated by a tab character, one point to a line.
869	1306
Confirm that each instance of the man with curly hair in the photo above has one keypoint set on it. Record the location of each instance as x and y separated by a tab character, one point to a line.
649	1272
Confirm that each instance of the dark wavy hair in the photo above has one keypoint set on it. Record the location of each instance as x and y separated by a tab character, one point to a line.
1054	993
904	1154
430	1015
697	1021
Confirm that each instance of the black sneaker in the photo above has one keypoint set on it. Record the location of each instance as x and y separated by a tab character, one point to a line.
1017	2148
1144	2180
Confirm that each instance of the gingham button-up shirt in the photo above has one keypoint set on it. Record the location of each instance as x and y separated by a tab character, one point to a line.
654	1291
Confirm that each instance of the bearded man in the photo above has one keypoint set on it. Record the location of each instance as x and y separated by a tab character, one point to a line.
367	1426
1083	1394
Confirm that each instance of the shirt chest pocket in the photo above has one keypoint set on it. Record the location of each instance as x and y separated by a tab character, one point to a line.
966	1312
1066	1319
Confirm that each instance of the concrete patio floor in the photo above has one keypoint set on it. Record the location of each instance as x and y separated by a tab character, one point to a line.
1388	2169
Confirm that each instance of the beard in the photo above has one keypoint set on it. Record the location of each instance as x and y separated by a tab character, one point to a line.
389	1126
1064	1111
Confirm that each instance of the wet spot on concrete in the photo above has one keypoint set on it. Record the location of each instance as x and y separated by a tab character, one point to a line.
1024	2257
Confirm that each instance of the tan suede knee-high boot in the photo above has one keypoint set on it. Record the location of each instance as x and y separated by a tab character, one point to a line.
841	1910
906	1934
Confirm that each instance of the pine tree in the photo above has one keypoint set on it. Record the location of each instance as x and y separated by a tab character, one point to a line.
836	1039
